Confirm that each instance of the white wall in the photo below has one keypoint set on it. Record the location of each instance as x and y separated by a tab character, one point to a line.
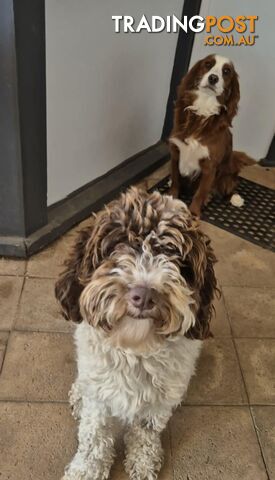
255	124
106	92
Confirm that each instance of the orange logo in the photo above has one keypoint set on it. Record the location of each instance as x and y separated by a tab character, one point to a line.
244	25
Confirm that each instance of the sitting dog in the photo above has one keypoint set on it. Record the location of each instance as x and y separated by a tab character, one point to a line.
201	140
140	284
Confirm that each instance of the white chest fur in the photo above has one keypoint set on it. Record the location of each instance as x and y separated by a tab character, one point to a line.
191	152
205	104
127	385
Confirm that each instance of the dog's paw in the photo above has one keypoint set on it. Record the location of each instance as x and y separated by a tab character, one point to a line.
90	466
144	456
89	473
195	210
143	467
174	192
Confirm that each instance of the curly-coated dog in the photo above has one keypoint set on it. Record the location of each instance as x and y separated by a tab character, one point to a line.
140	283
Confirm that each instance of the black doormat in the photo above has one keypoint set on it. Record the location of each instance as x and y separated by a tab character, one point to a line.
254	221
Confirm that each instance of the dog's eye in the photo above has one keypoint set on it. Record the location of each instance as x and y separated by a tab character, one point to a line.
226	71
208	65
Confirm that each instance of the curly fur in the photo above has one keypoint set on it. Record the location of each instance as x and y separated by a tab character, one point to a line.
133	365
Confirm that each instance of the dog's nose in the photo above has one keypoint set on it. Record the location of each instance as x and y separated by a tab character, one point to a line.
141	297
213	79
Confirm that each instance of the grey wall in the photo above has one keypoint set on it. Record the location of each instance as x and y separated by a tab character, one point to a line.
255	124
106	92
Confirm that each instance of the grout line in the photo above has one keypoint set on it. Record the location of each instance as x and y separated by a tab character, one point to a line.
236	351
17	305
254	338
51	332
16	275
55	402
245	404
13	323
4	354
38	277
250	412
170	448
259	442
255	287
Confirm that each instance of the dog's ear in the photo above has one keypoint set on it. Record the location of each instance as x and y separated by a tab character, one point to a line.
78	267
233	98
189	81
198	271
93	244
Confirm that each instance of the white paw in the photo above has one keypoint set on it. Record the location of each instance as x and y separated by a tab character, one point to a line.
89	466
236	200
96	473
142	469
144	457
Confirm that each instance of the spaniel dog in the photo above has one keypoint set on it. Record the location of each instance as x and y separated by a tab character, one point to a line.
201	141
140	284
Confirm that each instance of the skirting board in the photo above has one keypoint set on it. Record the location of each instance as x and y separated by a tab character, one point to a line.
79	205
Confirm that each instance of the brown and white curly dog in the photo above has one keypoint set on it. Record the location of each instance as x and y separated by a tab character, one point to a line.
140	284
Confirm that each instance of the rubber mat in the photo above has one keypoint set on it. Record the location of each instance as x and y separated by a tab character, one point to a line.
254	221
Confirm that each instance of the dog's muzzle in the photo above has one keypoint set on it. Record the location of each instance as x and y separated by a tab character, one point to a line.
141	297
213	79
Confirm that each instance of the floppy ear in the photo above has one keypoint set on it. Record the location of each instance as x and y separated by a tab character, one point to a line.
185	95
233	98
198	270
71	282
188	82
93	244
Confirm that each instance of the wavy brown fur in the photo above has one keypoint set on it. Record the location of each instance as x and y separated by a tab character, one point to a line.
130	220
220	169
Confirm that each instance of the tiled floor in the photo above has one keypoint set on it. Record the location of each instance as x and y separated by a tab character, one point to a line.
225	430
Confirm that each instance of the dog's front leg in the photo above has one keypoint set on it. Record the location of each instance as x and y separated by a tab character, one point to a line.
95	453
144	453
175	173
205	185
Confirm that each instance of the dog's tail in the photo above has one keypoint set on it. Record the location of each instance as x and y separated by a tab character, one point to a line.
227	175
241	160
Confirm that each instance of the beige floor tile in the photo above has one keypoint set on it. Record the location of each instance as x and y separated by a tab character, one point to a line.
265	423
218	379
4	336
10	291
258	365
2	355
37	441
38	366
215	443
142	184
38	308
49	262
262	175
219	324
251	311
166	473
240	263
158	175
73	232
12	266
